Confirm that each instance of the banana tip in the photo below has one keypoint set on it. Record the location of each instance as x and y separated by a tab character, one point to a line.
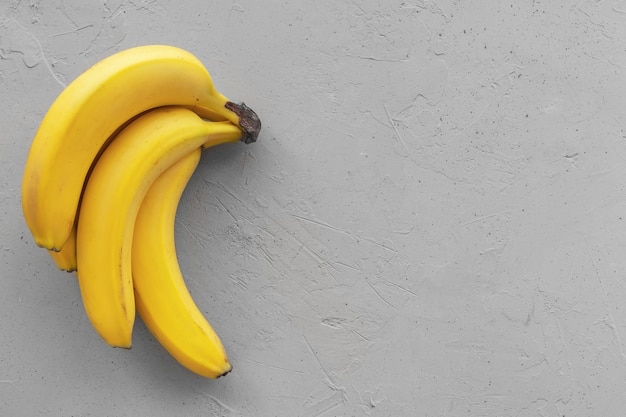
230	368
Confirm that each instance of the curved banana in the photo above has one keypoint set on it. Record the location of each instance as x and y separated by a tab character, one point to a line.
163	301
116	186
82	118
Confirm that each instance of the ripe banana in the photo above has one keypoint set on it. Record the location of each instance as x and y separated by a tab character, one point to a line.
163	301
112	196
79	123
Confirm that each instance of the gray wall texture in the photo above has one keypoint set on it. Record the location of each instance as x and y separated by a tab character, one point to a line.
431	224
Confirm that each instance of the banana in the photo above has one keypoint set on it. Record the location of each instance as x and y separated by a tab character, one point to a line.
78	124
112	196
163	301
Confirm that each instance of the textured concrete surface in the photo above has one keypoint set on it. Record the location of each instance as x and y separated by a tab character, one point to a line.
431	224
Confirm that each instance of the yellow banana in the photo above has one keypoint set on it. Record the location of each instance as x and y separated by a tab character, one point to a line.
162	299
78	124
112	196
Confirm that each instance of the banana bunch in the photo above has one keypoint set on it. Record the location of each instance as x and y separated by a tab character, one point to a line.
102	182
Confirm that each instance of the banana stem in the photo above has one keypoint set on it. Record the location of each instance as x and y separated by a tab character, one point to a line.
249	122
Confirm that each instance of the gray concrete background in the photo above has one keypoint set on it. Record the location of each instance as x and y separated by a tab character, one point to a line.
431	224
